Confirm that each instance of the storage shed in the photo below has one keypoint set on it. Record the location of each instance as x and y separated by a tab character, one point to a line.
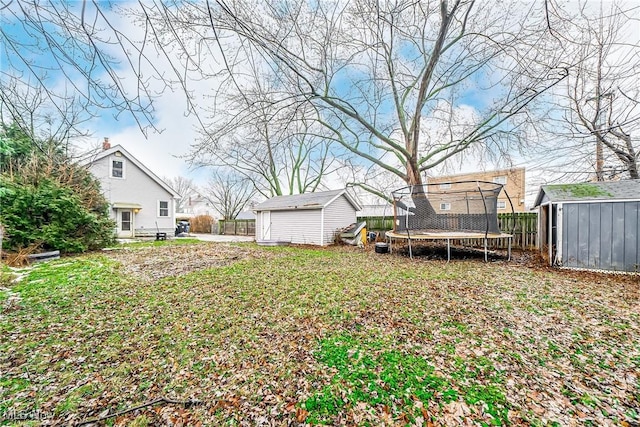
310	218
594	225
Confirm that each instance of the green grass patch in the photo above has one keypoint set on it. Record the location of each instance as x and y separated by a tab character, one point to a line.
367	372
312	335
159	243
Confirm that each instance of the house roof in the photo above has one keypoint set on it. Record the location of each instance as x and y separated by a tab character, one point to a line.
604	190
127	155
317	200
246	215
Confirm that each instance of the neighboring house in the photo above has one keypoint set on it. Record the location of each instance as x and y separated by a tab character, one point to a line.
512	179
141	203
311	218
594	225
376	211
199	205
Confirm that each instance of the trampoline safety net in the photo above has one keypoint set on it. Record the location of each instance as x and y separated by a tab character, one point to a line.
469	206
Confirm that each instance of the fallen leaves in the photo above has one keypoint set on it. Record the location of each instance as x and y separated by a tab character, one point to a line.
238	328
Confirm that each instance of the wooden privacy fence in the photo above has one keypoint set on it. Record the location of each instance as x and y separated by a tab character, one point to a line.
378	223
523	226
237	227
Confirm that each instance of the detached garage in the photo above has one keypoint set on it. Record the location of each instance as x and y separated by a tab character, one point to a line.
310	218
594	225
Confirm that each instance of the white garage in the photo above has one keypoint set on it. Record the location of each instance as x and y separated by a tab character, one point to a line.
311	218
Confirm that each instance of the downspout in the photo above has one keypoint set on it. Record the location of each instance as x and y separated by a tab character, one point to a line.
550	234
558	260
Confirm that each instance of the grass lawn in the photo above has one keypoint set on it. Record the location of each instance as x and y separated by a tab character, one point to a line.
249	335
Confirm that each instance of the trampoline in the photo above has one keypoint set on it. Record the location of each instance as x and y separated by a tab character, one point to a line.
448	211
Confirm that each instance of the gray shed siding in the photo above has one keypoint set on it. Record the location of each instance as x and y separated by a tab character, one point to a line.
300	226
338	214
601	235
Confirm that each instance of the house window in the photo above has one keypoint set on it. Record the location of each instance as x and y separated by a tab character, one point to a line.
500	179
163	208
445	206
117	168
502	204
445	186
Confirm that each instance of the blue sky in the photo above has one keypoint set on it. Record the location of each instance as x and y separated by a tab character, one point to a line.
172	132
160	148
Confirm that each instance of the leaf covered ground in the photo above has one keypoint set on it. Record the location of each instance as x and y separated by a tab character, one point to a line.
281	336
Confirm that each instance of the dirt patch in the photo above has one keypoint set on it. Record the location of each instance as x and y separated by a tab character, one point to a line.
166	261
532	259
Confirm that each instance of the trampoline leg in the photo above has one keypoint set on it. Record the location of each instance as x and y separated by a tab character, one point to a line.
410	250
448	250
485	250
509	259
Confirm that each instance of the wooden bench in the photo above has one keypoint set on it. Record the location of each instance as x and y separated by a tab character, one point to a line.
161	236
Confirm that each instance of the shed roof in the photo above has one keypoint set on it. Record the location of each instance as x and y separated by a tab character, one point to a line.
317	200
604	190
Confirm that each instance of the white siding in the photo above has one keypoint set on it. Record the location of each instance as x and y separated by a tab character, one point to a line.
136	187
338	214
304	226
300	226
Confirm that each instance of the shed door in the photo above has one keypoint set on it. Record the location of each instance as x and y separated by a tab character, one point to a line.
265	222
602	235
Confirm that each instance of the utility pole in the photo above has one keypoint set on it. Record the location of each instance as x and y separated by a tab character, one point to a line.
599	160
600	122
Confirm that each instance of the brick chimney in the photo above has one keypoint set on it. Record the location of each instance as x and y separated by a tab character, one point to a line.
105	144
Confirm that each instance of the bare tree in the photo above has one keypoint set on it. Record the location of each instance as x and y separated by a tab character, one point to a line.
76	46
185	187
278	148
387	80
604	93
374	72
228	194
29	108
587	129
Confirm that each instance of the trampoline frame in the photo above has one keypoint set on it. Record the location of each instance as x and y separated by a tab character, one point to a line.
448	235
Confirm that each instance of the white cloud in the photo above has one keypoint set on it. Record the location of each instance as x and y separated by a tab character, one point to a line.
173	131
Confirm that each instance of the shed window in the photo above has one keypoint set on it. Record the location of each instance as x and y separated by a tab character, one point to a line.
163	208
445	206
117	168
502	204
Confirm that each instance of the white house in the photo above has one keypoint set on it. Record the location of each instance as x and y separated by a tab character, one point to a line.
311	218
199	205
141	203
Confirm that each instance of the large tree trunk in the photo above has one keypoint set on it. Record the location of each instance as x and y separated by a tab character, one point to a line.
413	172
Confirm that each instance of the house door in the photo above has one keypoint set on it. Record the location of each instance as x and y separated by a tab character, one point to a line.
125	223
266	225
